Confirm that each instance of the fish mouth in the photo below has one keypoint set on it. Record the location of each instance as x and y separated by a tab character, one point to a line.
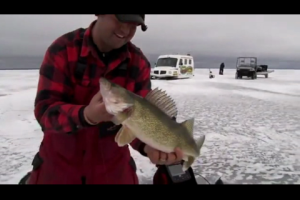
113	97
105	85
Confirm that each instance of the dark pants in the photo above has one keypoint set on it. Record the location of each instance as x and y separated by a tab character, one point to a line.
24	180
221	71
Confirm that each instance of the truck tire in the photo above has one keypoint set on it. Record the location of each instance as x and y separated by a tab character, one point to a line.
267	75
254	76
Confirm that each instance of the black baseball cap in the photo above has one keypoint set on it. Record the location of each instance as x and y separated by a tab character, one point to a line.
136	18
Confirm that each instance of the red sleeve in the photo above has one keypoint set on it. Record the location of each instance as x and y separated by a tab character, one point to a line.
143	86
54	91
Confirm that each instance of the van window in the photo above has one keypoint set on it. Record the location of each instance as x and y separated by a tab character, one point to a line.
180	62
190	61
166	62
185	61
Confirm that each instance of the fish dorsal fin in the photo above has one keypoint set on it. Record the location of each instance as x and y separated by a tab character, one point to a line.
163	101
189	125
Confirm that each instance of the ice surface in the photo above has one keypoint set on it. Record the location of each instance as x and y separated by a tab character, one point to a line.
252	126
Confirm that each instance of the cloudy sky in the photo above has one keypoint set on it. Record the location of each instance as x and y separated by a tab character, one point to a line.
272	36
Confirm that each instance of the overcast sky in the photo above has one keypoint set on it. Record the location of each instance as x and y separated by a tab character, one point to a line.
223	35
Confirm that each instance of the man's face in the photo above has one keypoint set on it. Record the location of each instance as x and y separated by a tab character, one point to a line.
113	32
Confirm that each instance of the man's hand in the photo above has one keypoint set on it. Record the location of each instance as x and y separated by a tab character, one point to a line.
161	158
95	112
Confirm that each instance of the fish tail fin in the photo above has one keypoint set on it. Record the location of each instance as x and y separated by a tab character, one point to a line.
190	159
188	163
200	142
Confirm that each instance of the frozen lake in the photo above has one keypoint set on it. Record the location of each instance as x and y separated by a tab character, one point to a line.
252	126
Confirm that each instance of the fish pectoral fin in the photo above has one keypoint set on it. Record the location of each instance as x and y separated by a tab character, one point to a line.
189	125
188	163
124	136
121	117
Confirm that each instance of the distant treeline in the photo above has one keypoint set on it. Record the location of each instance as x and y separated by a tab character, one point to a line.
20	62
230	63
34	62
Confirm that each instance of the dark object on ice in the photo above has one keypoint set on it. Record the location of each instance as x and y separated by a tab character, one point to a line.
173	174
23	181
219	182
262	68
246	66
222	66
211	74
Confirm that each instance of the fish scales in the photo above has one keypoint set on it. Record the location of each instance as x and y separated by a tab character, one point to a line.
149	120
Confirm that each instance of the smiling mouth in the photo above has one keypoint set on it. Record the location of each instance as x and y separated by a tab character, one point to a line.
120	36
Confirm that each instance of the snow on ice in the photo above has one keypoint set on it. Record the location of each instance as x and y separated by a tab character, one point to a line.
252	126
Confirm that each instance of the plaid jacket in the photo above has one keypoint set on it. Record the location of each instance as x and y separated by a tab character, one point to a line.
59	103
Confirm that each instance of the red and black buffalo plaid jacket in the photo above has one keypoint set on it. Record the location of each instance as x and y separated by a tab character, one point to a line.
58	104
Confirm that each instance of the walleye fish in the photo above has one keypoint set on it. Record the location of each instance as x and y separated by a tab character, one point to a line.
149	120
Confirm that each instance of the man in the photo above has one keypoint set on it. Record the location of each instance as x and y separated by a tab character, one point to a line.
222	66
78	146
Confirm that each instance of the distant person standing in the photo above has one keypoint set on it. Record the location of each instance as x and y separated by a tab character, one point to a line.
222	66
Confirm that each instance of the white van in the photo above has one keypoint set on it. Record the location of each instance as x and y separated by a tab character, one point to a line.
173	66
